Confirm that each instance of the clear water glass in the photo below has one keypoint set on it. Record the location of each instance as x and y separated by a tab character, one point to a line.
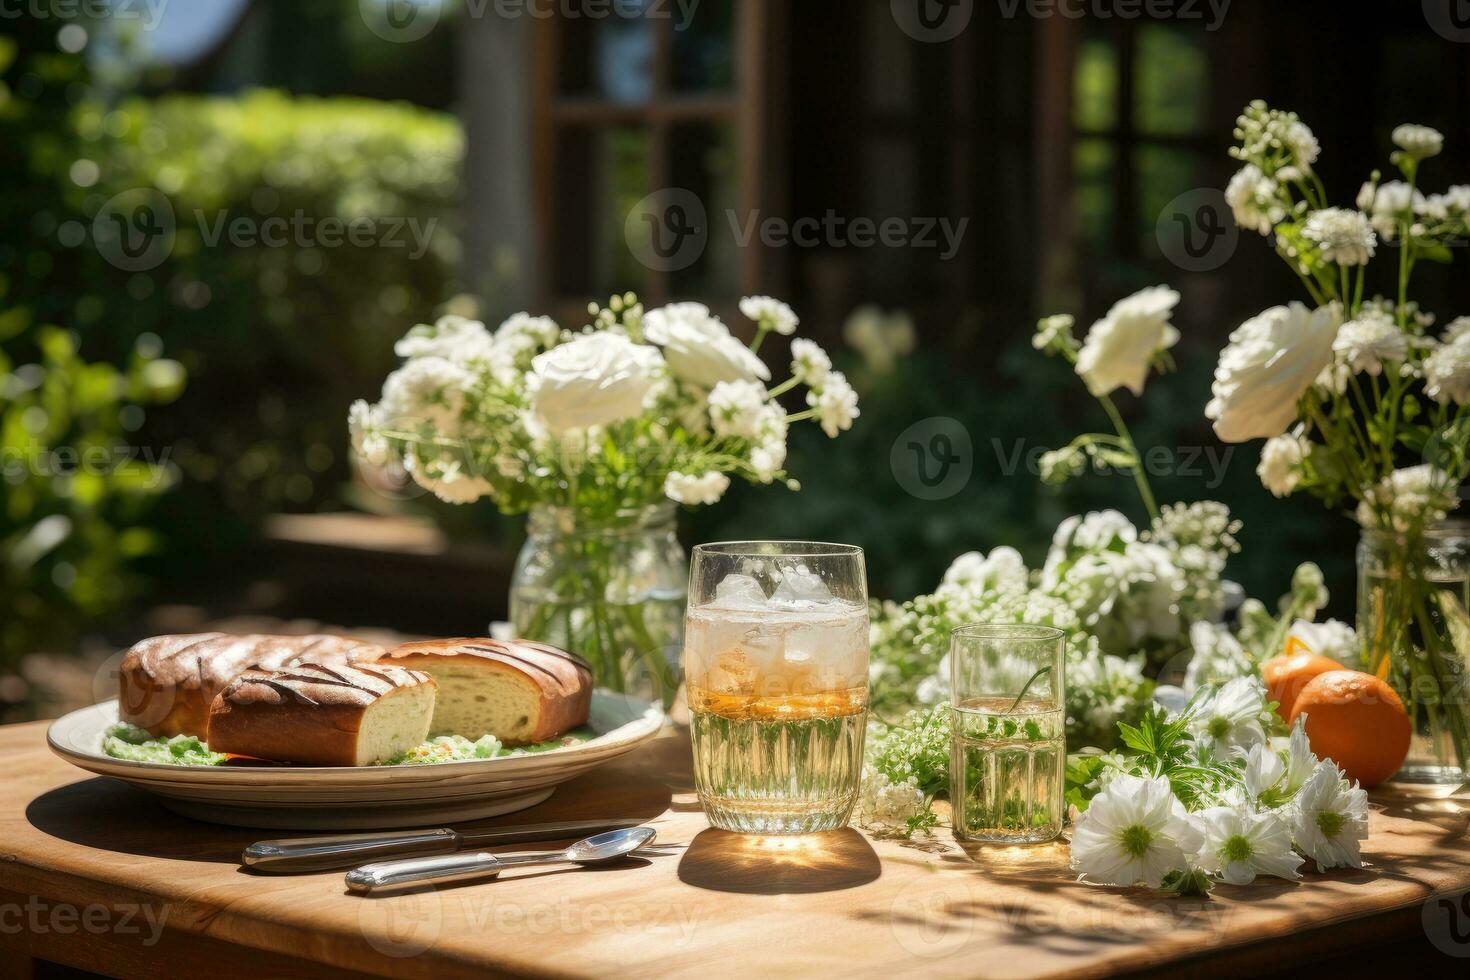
1009	749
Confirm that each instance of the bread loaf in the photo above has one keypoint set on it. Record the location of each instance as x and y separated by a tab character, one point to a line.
167	683
519	691
318	715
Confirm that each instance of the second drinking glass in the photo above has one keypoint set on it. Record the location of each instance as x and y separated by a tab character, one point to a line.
776	662
1009	750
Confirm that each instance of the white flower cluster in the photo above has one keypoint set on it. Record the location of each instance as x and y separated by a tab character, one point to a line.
1408	499
1250	808
1342	236
663	403
1447	368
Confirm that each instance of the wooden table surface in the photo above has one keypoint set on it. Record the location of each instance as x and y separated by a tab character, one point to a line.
97	875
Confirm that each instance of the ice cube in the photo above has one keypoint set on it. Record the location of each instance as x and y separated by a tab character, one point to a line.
800	584
740	591
732	673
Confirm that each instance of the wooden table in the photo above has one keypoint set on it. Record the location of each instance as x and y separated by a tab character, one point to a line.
95	874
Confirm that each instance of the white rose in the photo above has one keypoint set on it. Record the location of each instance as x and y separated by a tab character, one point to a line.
1270	361
454	338
1122	345
597	379
699	348
1281	461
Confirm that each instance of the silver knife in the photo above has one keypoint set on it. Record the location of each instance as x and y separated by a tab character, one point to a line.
301	855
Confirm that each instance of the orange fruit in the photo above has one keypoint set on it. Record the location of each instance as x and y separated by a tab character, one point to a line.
1287	674
1357	721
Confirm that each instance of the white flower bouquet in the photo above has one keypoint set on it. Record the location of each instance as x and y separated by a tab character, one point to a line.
593	428
1361	401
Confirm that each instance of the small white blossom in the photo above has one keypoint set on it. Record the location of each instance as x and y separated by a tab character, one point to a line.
1447	370
447	480
1280	468
1240	844
1255	200
770	314
426	391
1419	142
973	571
1054	331
736	407
1303	143
888	806
704	488
1370	342
767	459
1342	236
1408	498
810	365
1134	832
1329	818
836	404
367	441
1393	202
1333	639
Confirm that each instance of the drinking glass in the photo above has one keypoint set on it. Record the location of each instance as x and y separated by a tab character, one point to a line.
776	664
1009	749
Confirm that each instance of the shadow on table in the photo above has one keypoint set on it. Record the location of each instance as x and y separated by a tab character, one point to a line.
112	816
750	865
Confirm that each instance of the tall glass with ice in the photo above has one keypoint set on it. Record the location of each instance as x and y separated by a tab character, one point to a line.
776	663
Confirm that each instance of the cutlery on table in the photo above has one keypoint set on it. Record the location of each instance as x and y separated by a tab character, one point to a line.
463	867
300	855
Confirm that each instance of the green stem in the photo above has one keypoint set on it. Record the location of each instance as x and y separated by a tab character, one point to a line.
1139	477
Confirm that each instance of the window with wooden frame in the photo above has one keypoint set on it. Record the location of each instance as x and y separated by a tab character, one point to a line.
627	106
1140	133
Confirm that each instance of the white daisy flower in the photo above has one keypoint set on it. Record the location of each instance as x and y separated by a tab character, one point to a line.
770	314
1370	342
1264	768
1419	142
1230	718
1240	844
1280	468
836	404
1342	236
1134	832
703	488
1301	761
810	365
1329	818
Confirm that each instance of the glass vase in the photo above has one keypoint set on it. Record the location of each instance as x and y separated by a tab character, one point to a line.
611	590
1413	595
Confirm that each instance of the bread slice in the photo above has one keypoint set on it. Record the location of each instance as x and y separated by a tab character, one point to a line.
166	684
316	715
519	691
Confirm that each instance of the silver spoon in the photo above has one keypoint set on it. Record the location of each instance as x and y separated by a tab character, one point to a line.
383	875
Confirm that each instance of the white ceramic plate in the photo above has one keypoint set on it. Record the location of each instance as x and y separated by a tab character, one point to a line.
359	797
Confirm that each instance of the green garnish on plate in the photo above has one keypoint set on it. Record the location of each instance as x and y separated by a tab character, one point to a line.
123	741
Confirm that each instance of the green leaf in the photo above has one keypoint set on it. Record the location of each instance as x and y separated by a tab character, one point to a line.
1434	252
